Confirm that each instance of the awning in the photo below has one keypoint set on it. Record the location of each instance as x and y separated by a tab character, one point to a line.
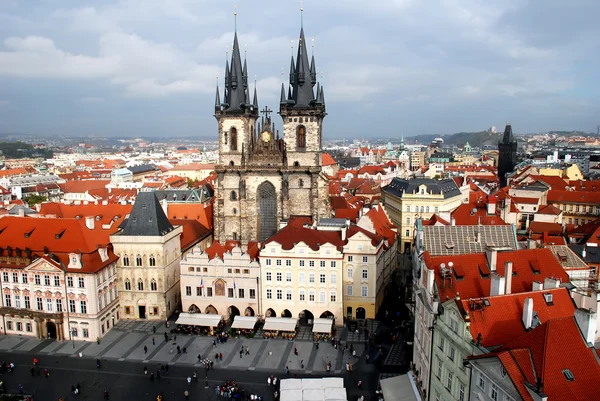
322	325
399	388
280	323
198	319
244	322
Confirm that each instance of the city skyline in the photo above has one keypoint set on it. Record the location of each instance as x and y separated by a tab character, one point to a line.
116	68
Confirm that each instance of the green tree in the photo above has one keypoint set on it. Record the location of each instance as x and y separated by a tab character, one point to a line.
35	199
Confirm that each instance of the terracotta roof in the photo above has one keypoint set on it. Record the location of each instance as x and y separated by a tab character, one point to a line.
506	311
475	212
104	214
83	186
354	230
590	185
529	265
292	234
381	223
555	346
540	227
194	167
193	232
335	187
553	181
434	220
216	249
14	171
550	209
371	170
525	201
327	160
580	197
200	212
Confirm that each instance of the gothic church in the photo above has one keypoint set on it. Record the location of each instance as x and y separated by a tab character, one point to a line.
264	179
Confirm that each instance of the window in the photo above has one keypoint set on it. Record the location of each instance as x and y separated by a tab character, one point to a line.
322	296
301	263
311	263
279	294
198	291
494	392
240	293
125	260
442	343
436	209
311	277
127	285
9	325
233	145
83	306
81	282
152	261
246	271
24	279
333	263
288	295
322	278
568	375
56	281
301	277
138	260
269	294
408	208
28	327
350	273
302	296
209	291
74	331
311	296
19	326
18	301
7	300
279	276
233	196
86	333
188	290
288	262
364	291
333	278
350	258
438	373
230	292
454	325
365	274
72	305
278	262
15	277
36	278
252	293
427	209
39	302
59	305
140	285
322	263
69	281
451	356
268	276
46	279
301	136
365	259
153	285
48	305
461	392
481	382
332	296
5	277
349	290
268	262
449	380
407	233
27	302
288	277
577	208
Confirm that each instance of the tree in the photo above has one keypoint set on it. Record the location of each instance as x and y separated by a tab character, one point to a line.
35	199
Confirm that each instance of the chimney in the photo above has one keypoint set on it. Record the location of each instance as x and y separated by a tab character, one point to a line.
531	244
492	257
551	282
452	221
508	270
430	278
497	285
537	286
89	222
478	237
344	233
104	202
491	205
165	206
528	313
22	212
586	320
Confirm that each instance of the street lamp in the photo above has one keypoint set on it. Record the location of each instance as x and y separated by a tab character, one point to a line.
66	307
206	372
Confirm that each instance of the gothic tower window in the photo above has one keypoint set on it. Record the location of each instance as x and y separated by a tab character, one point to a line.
140	285
233	139
231	163
152	261
127	285
296	164
153	285
300	183
125	260
138	260
234	211
233	196
267	207
301	136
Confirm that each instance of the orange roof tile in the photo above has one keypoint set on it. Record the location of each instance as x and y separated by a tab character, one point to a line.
540	227
292	234
580	197
193	232
327	160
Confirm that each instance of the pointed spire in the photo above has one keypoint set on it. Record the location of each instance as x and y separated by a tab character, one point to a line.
255	100
245	73
313	72
217	98
322	95
290	93
318	101
282	100
292	71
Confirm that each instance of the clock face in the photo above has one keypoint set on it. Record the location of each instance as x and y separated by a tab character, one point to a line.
266	136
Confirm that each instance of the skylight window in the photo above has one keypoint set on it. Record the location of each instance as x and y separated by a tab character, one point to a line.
568	375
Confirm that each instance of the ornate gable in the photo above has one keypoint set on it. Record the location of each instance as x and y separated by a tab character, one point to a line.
44	264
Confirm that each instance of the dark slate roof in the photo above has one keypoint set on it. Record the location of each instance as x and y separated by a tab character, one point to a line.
147	217
399	186
460	240
142	168
592	253
15	211
332	222
508	136
441	155
183	195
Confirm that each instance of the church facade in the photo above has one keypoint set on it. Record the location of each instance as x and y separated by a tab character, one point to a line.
263	178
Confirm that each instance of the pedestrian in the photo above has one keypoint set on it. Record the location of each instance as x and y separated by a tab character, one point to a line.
195	376
154	329
347	366
302	363
153	343
35	361
46	373
217	356
166	337
214	343
186	394
106	394
145	349
189	380
354	353
20	389
158	374
287	370
151	377
317	345
178	349
241	353
175	337
269	381
32	371
145	370
220	356
274	382
367	358
295	351
247	350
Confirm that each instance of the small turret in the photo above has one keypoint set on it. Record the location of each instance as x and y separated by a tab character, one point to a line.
283	99
217	100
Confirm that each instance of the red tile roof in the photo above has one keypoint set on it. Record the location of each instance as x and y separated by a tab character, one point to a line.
292	234
580	197
475	212
525	201
382	224
83	186
540	227
434	220
104	214
506	311
327	160
371	170
591	185
553	181
193	232
199	212
550	210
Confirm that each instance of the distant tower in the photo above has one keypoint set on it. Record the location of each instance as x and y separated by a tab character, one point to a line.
507	150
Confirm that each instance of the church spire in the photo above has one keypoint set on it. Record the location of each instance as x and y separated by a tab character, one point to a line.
255	100
283	100
217	98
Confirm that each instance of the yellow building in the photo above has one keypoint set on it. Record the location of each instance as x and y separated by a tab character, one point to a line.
571	173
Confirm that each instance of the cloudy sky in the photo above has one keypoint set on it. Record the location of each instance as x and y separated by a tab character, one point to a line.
150	67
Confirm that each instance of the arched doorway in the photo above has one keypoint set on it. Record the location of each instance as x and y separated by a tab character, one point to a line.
286	313
194	309
211	310
232	312
249	312
270	313
51	330
267	209
326	315
306	317
360	313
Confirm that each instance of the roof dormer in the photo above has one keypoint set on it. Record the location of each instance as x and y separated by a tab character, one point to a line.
75	261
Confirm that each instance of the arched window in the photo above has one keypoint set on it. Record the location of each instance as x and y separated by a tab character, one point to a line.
138	260
300	183
127	285
234	211
140	285
301	136
427	209
153	285
125	260
233	195
422	209
152	261
233	145
296	164
191	269
231	163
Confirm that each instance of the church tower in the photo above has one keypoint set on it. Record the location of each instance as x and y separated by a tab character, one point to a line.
507	154
303	110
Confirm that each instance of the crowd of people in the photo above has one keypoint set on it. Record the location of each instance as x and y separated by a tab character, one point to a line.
231	390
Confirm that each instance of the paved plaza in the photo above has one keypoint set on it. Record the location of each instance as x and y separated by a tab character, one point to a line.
126	342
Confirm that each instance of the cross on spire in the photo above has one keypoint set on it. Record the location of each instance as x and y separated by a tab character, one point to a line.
266	111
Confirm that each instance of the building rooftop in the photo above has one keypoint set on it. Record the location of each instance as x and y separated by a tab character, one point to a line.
398	187
147	217
460	240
